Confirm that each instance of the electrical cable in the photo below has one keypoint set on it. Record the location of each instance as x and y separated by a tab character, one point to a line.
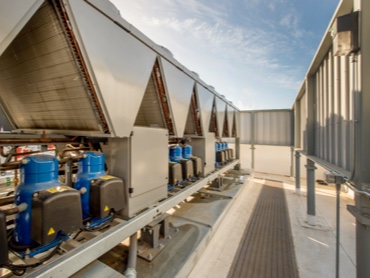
20	269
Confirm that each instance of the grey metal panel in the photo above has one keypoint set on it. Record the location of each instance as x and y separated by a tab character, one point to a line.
205	103
238	123
120	64
205	149
273	128
230	119
179	88
245	127
142	162
221	110
153	143
14	15
303	108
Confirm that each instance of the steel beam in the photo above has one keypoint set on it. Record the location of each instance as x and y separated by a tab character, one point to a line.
311	206
298	173
79	257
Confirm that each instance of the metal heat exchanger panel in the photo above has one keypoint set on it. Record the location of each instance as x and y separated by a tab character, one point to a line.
42	84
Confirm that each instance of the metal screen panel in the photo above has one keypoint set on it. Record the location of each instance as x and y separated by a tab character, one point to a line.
245	127
269	127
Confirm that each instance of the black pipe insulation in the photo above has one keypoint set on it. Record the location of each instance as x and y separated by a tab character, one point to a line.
3	239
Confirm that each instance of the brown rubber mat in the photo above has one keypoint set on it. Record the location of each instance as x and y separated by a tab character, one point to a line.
266	249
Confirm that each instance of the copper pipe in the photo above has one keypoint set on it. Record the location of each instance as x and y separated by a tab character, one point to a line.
73	158
6	200
162	96
62	153
21	141
15	179
8	168
10	211
26	153
194	106
13	163
2	152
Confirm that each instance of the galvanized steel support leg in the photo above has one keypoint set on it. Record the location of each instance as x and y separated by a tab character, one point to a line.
338	183
252	156
311	211
362	249
298	173
291	161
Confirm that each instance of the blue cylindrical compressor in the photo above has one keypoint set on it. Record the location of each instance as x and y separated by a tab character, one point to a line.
91	166
175	153
187	151
38	172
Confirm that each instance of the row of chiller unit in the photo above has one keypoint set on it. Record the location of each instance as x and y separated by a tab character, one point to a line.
74	72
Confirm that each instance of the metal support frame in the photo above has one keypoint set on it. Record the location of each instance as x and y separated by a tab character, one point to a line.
338	183
217	184
291	161
311	207
152	232
252	139
76	259
298	173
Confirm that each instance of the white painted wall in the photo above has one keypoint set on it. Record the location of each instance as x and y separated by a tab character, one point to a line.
274	160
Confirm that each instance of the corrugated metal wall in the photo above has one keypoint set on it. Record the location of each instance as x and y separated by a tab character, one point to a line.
333	111
267	127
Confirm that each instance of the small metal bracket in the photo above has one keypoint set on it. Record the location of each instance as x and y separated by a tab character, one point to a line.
155	237
360	217
217	184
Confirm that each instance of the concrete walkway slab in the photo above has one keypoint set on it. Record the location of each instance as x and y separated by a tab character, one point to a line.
314	247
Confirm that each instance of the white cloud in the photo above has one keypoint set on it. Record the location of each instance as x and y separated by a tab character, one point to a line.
222	50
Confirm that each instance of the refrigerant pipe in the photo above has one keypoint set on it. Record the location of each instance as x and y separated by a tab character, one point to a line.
132	257
15	210
6	200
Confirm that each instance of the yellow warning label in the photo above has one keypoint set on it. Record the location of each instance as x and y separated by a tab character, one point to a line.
52	190
106	208
58	189
51	231
107	177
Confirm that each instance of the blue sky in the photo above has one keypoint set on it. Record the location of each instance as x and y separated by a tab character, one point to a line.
255	52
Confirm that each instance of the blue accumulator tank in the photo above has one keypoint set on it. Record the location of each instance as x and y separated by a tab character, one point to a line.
187	152
90	167
175	153
37	173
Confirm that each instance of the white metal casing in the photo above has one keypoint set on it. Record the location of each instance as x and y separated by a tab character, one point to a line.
120	64
179	88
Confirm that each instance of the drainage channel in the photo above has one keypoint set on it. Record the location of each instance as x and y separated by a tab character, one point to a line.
266	249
